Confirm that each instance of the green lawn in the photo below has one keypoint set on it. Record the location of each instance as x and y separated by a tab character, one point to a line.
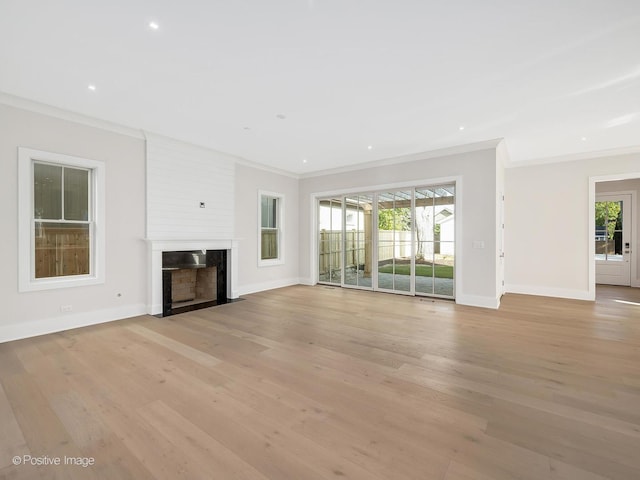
442	271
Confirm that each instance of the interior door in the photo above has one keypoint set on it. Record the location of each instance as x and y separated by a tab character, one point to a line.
613	239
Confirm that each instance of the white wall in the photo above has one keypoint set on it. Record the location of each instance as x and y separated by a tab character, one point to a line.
33	313
547	225
475	212
632	185
251	277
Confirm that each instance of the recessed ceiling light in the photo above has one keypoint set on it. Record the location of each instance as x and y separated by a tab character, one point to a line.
154	25
281	116
304	160
370	147
584	139
461	127
92	87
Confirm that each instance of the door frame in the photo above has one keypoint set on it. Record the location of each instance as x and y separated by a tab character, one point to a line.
592	230
455	179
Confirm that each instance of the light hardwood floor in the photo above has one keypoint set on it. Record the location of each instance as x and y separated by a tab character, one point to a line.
306	383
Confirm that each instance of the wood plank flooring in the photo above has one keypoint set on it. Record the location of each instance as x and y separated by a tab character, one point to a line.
307	383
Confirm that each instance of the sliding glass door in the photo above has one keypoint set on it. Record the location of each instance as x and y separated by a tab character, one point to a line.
399	241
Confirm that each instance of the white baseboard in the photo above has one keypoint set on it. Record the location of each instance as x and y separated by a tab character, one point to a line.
67	322
478	301
155	309
550	292
470	300
261	287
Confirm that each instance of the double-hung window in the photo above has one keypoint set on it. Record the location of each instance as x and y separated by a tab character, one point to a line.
61	215
270	244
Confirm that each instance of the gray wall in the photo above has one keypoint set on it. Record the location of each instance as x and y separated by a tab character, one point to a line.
547	224
251	277
476	213
32	313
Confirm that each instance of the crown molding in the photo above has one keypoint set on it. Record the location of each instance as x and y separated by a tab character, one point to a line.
181	144
51	111
442	152
267	168
612	152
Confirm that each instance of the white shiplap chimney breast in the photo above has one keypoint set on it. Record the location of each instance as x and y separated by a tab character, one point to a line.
180	177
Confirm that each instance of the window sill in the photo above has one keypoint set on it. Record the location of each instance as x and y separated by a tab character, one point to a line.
270	263
59	282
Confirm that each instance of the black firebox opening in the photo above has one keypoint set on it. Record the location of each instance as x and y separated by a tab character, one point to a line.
192	280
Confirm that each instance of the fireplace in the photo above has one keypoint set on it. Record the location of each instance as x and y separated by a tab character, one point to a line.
193	279
188	274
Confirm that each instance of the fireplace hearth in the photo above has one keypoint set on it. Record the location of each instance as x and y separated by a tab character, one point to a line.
193	279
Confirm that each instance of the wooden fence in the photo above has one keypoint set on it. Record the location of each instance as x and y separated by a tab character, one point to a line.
391	244
269	244
61	250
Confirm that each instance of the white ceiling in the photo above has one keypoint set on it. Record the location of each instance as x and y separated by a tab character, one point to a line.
402	76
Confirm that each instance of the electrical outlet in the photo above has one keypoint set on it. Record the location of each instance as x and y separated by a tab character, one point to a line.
66	308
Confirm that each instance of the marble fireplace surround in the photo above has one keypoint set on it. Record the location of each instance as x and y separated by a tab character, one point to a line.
155	249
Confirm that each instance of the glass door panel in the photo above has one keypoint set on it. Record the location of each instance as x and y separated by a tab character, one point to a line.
424	235
358	240
435	240
394	241
609	231
613	239
330	220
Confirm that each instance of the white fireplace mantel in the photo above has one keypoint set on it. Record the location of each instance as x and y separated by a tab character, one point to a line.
155	249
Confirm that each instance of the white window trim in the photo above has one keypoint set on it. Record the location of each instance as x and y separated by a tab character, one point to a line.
280	223
26	253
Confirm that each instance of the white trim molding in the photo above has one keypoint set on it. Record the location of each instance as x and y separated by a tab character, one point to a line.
45	326
26	271
478	301
51	111
442	152
550	292
264	286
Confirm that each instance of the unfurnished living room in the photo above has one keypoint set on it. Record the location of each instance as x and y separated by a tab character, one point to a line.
320	239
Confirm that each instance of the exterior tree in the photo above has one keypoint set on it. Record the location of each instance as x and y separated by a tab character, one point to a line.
394	219
607	216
